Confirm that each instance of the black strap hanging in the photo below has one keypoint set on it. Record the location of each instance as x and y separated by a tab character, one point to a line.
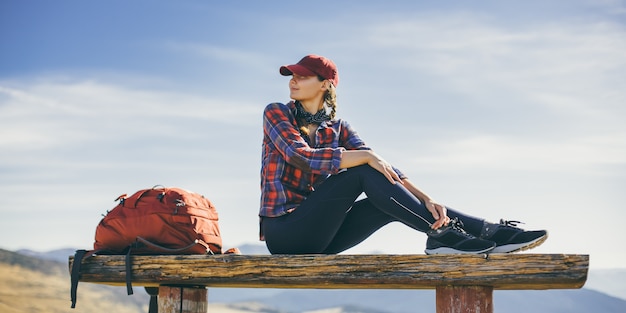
75	274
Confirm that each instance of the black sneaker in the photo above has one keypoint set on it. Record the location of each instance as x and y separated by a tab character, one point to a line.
452	239
509	238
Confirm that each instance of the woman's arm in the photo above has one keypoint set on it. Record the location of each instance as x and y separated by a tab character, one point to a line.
352	158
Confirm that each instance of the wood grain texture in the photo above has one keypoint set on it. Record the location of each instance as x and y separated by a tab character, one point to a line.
500	271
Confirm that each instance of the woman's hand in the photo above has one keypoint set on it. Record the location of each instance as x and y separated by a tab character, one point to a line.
384	167
439	212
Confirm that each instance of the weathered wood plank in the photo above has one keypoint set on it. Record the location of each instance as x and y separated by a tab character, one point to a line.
500	271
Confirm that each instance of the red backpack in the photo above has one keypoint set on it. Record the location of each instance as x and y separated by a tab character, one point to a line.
160	221
154	221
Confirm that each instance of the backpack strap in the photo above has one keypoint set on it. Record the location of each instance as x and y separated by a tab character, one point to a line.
129	274
79	256
75	273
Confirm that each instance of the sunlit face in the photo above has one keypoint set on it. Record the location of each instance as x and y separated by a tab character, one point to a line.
306	88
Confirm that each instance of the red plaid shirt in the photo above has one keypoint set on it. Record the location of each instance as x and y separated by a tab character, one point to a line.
291	167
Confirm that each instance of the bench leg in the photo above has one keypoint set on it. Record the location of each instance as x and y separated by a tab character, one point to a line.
177	299
464	299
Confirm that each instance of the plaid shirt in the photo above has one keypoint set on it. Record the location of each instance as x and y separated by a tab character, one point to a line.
291	167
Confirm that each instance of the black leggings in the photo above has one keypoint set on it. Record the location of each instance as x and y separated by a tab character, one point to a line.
329	221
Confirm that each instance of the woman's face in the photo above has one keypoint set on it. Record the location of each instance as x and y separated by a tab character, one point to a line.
306	88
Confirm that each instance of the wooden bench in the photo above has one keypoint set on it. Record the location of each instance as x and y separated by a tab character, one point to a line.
463	283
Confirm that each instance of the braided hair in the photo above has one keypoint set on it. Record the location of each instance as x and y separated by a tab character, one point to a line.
330	97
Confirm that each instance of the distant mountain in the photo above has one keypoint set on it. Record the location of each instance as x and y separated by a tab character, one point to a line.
59	255
32	263
609	281
556	301
29	284
49	269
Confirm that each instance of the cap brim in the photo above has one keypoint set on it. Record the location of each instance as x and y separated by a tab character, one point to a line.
297	69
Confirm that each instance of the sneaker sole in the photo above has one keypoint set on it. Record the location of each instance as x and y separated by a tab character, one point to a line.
520	246
448	250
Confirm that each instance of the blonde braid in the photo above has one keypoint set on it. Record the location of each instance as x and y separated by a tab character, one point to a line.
330	97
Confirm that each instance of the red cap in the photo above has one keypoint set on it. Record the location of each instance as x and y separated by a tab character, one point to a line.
312	65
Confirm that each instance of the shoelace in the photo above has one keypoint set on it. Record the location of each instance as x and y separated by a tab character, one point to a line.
458	225
512	224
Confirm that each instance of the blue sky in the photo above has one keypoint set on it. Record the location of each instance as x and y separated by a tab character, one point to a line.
504	109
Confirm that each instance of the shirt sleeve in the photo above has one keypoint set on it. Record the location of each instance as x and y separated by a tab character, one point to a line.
350	138
278	126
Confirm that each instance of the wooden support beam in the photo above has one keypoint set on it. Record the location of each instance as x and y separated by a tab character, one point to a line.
180	299
464	299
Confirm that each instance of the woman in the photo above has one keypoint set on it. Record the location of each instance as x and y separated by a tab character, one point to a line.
315	166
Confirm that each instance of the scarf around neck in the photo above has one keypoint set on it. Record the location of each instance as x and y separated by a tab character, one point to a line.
309	118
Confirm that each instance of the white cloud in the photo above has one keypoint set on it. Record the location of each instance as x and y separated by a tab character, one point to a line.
249	59
589	155
50	112
561	81
92	98
479	56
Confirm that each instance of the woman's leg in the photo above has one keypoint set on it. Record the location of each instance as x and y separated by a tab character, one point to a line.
313	225
361	222
364	219
317	225
397	202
